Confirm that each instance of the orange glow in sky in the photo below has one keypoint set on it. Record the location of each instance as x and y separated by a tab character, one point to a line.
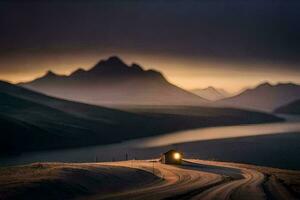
184	72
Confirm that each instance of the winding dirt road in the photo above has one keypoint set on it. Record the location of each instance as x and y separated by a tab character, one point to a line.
197	179
247	187
145	180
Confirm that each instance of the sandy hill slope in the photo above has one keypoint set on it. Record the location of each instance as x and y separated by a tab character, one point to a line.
113	82
265	97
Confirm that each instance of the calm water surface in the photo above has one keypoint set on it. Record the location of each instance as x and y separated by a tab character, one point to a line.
203	145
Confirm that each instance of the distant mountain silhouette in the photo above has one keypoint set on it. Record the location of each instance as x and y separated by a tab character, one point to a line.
211	93
265	97
111	81
292	108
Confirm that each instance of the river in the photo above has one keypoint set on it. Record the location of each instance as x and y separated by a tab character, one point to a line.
272	144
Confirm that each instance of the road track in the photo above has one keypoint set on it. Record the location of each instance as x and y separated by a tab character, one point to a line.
195	179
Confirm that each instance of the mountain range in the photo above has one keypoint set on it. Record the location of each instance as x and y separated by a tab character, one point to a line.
211	93
265	97
33	121
113	82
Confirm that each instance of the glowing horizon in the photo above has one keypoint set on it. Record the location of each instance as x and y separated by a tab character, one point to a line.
234	45
186	73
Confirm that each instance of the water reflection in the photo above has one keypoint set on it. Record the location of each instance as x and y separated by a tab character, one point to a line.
154	146
218	133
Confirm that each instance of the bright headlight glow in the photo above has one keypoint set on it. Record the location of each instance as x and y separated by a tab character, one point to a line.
177	156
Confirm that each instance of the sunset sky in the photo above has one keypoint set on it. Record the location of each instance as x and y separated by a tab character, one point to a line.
195	44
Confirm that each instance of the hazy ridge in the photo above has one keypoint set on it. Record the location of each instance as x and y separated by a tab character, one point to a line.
264	97
112	82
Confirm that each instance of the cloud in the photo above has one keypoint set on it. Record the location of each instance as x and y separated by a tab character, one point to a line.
224	31
260	30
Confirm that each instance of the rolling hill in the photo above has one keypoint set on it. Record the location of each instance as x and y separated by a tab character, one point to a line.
62	123
32	121
44	127
112	82
265	97
17	136
292	108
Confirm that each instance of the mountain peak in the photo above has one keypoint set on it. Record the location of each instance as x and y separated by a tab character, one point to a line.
78	71
111	65
212	89
211	93
136	67
50	73
114	60
265	85
288	84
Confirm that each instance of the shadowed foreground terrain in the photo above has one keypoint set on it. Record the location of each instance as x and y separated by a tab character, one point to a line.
195	179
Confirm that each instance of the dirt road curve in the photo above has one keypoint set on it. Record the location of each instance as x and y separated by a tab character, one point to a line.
247	187
145	180
197	179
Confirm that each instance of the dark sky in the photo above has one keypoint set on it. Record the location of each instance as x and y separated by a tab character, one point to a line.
259	37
